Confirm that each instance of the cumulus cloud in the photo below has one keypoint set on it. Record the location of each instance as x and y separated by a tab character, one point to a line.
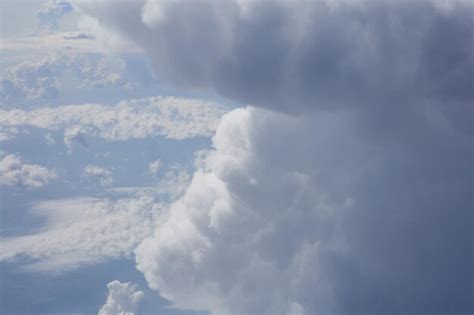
361	204
103	175
154	167
76	136
49	78
51	12
14	172
305	229
173	118
123	299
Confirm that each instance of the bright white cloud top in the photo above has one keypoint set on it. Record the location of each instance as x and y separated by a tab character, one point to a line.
123	299
171	117
15	172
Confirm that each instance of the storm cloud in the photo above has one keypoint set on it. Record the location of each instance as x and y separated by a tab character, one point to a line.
347	188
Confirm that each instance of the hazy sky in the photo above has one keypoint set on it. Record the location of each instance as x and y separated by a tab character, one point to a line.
236	157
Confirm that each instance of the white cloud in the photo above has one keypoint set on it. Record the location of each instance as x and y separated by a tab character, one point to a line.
173	118
171	186
306	215
7	133
123	299
265	210
73	42
49	139
14	172
62	75
51	12
84	230
103	175
154	167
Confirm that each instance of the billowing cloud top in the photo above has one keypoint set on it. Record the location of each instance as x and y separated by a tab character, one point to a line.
51	12
123	299
363	205
358	206
306	55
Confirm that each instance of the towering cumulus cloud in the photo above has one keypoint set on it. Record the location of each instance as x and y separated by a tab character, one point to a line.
347	189
123	299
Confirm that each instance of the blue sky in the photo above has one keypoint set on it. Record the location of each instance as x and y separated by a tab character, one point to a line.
237	157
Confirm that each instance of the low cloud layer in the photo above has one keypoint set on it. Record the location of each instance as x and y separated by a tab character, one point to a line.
84	230
16	173
100	174
123	299
173	118
60	76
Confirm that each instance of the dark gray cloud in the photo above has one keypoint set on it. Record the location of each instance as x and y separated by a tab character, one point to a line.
360	201
310	54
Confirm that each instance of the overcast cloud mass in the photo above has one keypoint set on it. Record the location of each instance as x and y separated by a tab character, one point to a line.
334	174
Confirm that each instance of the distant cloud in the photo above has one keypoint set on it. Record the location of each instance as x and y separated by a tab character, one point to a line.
7	133
154	167
51	12
84	230
173	118
103	175
48	78
76	135
78	36
81	231
14	172
71	42
123	299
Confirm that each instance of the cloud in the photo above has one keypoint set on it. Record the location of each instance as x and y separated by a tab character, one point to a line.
83	230
51	12
70	77
103	175
72	42
296	57
123	299
87	230
7	133
173	118
14	172
171	186
76	135
316	218
360	200
154	167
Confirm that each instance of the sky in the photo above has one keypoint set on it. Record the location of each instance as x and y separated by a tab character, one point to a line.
236	157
